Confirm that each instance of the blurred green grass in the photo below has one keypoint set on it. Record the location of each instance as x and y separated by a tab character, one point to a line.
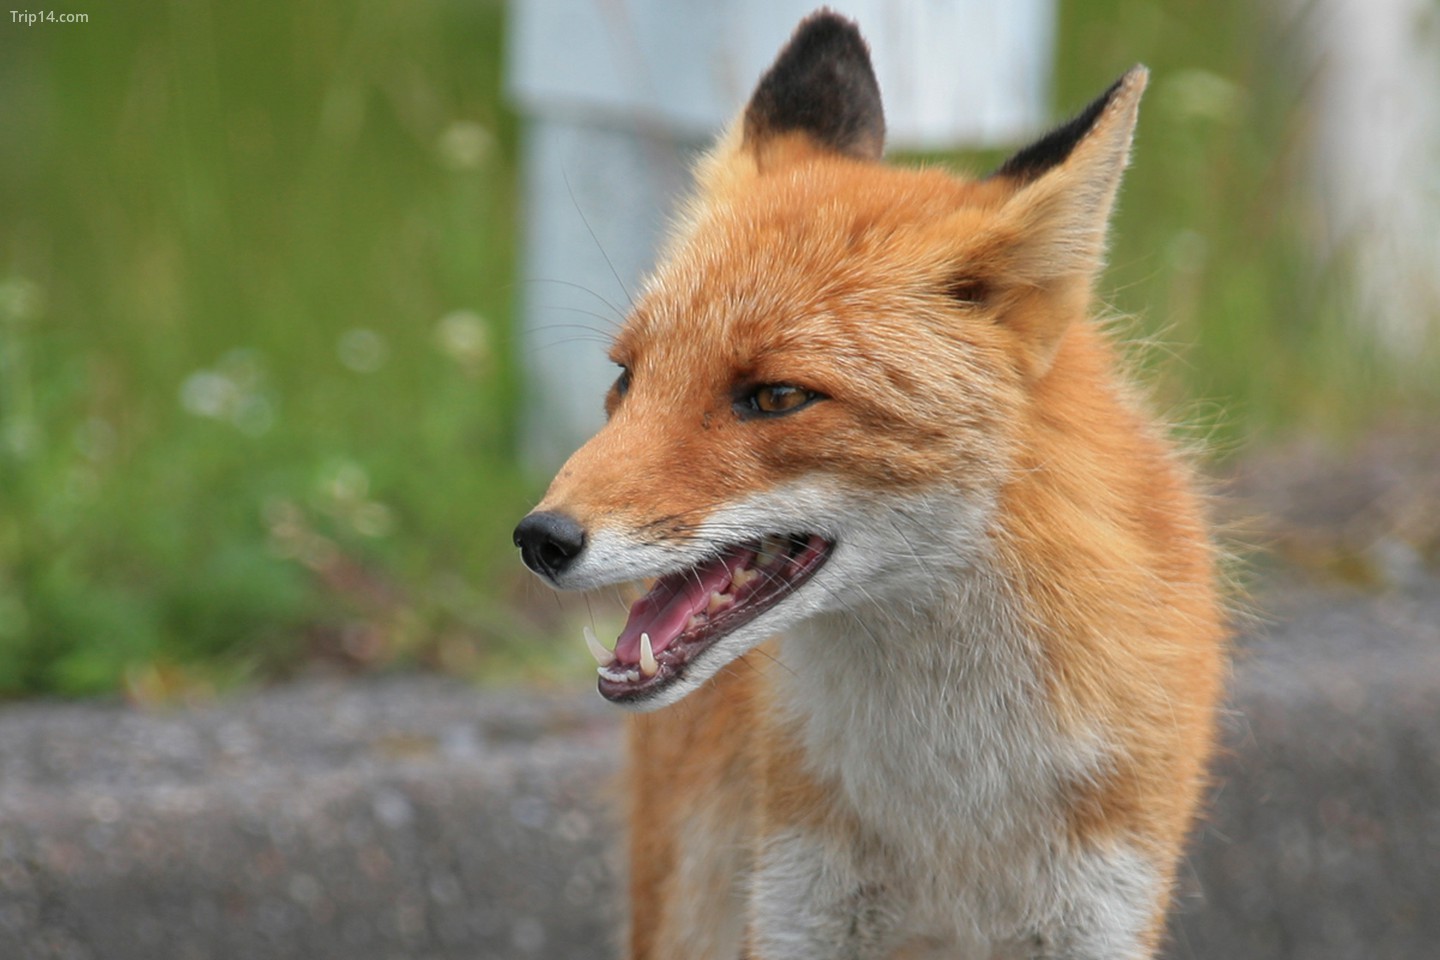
256	274
1218	238
256	378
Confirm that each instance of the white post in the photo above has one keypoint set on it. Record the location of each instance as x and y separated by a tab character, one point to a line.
1376	108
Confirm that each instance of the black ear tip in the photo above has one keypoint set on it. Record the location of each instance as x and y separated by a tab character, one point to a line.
1055	147
825	23
824	37
822	83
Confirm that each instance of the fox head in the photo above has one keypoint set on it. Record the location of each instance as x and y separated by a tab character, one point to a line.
822	386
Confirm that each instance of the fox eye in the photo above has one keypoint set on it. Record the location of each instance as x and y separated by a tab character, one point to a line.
617	392
774	399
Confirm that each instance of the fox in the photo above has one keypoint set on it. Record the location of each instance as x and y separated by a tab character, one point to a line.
932	637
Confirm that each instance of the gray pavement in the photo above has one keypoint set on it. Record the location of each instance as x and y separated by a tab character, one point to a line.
1323	838
406	817
417	817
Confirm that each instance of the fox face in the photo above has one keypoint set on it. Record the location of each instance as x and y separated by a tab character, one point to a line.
825	385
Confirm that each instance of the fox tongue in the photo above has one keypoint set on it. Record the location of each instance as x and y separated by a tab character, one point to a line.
676	597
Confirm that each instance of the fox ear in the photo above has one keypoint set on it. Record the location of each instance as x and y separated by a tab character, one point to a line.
823	86
1046	241
1065	185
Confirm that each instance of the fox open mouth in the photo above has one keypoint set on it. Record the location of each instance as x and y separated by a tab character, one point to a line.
687	611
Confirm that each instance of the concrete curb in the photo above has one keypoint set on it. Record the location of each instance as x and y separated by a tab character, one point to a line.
1323	841
414	817
403	818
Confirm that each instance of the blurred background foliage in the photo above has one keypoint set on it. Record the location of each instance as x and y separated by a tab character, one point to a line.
257	266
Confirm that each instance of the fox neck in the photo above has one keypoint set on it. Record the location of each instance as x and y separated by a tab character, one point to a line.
933	704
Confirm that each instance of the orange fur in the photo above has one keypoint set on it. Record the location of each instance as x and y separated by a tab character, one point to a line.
943	322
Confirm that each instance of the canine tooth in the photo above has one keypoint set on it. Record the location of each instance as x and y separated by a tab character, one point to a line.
648	666
743	576
602	656
771	549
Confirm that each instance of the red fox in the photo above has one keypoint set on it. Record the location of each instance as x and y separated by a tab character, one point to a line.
933	608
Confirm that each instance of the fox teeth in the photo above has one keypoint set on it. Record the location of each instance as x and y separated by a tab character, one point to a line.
719	601
742	576
619	676
648	666
771	549
602	656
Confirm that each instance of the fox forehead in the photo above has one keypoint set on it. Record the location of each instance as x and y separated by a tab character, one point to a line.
803	263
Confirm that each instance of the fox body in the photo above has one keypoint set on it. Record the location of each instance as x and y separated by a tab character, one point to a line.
933	613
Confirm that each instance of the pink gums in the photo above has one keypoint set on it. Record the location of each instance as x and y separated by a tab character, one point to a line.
664	612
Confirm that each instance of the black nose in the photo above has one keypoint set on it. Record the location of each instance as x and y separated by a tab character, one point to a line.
548	542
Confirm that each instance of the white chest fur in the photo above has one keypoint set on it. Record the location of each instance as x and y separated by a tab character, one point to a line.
932	724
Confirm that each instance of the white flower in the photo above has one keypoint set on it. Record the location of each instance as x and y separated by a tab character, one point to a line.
464	145
363	351
463	335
